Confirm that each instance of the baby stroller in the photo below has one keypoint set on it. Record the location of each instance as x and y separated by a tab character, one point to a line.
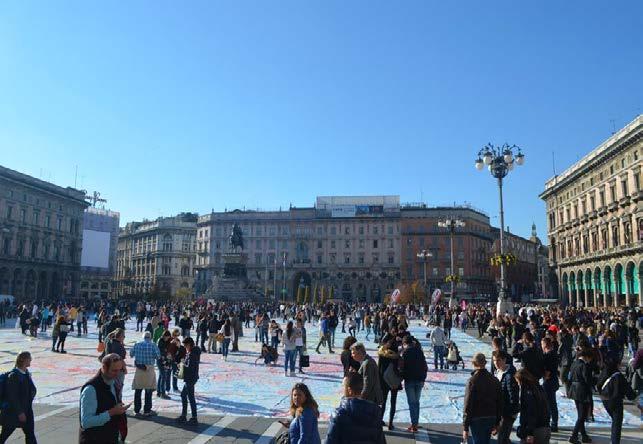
453	356
269	354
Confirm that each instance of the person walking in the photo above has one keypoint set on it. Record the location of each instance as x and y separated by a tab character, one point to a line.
20	392
482	403
368	369
613	388
324	334
388	356
227	332
505	373
550	380
145	354
414	369
164	365
581	381
60	331
534	413
303	428
102	412
190	377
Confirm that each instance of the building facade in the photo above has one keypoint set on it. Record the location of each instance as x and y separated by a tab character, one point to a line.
349	246
157	258
472	246
40	238
595	223
521	277
98	260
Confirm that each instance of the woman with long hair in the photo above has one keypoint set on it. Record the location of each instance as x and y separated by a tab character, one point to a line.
347	360
290	349
303	428
534	412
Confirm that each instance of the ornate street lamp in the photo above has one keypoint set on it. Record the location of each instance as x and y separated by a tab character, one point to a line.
500	160
452	223
424	256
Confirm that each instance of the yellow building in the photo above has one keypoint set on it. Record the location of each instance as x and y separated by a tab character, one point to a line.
595	223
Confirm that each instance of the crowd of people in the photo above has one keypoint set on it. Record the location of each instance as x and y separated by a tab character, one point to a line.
536	351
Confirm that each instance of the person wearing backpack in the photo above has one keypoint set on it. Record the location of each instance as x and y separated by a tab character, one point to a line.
17	392
612	388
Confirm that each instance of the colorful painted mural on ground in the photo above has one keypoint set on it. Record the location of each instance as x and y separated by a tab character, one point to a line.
244	386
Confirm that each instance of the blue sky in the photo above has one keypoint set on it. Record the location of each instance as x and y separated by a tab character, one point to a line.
171	106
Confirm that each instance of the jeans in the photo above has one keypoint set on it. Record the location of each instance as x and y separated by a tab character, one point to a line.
163	378
391	410
617	422
332	336
188	394
263	335
43	324
225	347
504	429
27	428
274	341
325	339
175	381
481	429
550	386
413	392
438	353
289	360
137	401
581	413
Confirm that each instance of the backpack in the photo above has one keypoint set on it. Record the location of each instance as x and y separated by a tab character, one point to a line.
4	377
604	392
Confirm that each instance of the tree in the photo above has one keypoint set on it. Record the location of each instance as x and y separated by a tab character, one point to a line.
182	293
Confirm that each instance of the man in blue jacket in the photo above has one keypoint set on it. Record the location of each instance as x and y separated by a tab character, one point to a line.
324	329
356	421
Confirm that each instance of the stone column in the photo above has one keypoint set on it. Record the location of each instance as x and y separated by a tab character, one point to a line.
606	291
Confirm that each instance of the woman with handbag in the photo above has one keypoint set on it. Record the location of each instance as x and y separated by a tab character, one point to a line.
63	328
390	379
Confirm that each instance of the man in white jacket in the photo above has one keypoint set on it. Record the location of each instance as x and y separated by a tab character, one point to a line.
438	340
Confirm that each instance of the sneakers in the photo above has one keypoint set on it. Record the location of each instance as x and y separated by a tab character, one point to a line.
150	413
165	396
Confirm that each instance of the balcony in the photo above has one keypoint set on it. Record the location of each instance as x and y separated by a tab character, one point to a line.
593	214
625	201
584	218
612	206
602	210
636	196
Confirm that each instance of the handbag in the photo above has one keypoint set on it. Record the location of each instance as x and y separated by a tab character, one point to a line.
452	356
100	347
392	379
181	373
219	337
304	361
283	438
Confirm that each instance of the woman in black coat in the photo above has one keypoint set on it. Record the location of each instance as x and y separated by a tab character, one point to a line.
388	355
20	393
534	412
581	380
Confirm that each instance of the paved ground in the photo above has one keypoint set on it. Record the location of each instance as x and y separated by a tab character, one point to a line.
59	425
239	401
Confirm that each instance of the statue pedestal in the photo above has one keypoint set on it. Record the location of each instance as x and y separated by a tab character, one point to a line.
234	285
235	266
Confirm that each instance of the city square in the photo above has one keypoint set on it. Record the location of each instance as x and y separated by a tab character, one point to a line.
198	201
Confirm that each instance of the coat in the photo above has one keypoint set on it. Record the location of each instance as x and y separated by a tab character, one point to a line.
144	379
20	392
356	421
581	381
372	387
482	398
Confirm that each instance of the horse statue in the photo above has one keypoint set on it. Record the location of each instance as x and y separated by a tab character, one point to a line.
236	239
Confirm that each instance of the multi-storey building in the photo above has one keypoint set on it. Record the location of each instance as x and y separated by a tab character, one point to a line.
521	277
40	237
595	223
348	244
98	260
472	245
157	257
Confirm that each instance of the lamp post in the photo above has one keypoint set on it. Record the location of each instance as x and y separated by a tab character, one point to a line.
424	256
452	223
500	160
